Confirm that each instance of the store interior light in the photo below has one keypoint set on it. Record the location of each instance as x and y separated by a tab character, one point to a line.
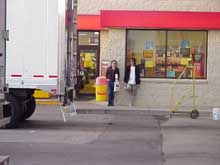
83	34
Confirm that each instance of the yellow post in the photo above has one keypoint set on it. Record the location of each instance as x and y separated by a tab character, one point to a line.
193	90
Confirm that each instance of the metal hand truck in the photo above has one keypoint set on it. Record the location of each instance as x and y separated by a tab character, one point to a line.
194	114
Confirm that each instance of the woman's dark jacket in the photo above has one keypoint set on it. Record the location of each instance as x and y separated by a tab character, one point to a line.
110	74
137	74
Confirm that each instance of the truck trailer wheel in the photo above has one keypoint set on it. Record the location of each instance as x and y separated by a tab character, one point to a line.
29	108
15	111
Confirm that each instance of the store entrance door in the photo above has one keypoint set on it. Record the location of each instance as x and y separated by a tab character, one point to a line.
89	63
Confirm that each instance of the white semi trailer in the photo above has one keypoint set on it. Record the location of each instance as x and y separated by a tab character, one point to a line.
40	53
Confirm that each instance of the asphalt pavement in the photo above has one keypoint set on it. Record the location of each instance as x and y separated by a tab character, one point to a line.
121	138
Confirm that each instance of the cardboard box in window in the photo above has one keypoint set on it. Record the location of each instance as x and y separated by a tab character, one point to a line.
149	72
148	53
185	52
170	60
160	68
160	60
149	64
185	61
173	60
160	51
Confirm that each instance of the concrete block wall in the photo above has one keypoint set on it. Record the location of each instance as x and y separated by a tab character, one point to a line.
112	45
155	93
213	68
94	6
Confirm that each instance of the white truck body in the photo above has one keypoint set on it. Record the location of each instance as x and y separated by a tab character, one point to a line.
36	46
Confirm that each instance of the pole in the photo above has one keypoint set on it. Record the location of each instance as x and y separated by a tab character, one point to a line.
69	19
75	68
71	59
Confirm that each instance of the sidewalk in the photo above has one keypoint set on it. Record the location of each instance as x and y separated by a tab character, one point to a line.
92	106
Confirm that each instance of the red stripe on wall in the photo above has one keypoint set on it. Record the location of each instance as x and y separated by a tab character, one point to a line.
88	22
160	19
16	75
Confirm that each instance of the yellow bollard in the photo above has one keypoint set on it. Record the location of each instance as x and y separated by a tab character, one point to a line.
101	89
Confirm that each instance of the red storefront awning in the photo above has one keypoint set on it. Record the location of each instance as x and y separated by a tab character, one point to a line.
160	19
88	22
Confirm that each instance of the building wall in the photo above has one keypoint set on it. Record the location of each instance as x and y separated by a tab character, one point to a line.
207	91
94	6
113	46
155	93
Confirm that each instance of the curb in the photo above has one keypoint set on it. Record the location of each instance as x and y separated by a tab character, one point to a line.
47	102
120	110
124	111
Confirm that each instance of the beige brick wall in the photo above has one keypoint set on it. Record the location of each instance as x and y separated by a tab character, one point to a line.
112	45
155	93
94	6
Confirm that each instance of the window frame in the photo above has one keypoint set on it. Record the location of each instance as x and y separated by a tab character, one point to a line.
92	47
89	31
166	47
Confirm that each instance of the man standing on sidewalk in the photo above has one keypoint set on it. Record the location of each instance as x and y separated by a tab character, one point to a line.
111	75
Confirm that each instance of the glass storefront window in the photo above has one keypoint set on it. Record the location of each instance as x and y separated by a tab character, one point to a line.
88	38
148	48
186	48
165	54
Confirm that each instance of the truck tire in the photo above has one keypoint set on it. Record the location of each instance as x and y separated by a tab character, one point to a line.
29	108
15	111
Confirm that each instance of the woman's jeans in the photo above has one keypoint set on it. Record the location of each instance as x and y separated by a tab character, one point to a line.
111	94
133	93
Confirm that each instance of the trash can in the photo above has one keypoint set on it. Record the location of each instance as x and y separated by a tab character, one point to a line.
101	89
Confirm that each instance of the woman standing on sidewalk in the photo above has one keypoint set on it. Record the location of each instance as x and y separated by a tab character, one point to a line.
132	78
111	75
